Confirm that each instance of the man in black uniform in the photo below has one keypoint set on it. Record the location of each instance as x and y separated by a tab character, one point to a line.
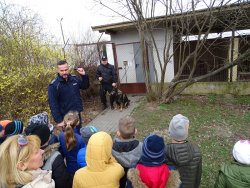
107	76
64	93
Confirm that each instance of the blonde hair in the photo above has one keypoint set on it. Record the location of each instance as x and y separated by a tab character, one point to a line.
127	127
71	119
11	153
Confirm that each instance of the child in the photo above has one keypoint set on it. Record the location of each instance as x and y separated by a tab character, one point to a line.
53	160
182	154
153	172
43	119
86	133
236	174
126	149
11	128
71	142
102	170
20	161
3	124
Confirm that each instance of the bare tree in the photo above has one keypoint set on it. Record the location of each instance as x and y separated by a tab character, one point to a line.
189	29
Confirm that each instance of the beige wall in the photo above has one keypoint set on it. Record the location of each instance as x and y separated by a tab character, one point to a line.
234	88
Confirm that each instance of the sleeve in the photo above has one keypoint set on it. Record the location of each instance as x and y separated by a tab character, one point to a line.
61	141
81	161
220	180
53	103
98	73
199	172
60	175
84	82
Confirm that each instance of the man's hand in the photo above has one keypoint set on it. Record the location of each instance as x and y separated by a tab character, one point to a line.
81	71
100	78
114	84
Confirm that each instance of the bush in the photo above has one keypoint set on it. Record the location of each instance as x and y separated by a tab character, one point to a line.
24	91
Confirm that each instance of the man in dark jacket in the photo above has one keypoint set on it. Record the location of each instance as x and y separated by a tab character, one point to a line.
183	155
64	92
107	76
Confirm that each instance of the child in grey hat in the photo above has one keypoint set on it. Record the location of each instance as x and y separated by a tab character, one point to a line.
86	133
182	154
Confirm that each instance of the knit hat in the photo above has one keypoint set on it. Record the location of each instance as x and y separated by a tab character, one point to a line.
87	132
178	127
153	151
42	131
4	122
41	119
241	151
13	128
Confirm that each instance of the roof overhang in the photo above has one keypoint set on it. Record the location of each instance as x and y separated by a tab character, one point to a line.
223	14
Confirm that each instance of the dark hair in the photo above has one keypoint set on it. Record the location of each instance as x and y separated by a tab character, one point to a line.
61	62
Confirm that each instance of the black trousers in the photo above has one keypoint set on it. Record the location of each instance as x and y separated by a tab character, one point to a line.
104	88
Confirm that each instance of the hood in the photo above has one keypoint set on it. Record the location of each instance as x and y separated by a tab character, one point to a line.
134	176
50	149
127	152
98	153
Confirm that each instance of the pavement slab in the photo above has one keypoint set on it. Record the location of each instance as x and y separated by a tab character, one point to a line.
108	119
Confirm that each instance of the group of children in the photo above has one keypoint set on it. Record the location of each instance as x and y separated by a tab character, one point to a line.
35	157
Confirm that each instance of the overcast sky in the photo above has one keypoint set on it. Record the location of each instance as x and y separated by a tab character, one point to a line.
78	15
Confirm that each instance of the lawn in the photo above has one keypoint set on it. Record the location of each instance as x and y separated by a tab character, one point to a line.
216	123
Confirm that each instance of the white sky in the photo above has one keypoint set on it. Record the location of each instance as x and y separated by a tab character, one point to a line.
78	15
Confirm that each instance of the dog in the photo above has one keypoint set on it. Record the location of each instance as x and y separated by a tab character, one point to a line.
121	100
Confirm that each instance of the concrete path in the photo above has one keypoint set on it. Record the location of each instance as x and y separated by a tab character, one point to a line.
108	119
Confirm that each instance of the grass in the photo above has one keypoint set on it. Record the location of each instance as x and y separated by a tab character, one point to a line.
216	123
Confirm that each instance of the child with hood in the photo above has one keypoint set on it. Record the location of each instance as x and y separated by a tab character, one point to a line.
151	169
102	170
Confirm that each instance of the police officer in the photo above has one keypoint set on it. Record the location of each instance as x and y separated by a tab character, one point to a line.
107	76
64	92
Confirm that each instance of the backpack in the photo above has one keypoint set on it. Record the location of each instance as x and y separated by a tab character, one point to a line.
50	161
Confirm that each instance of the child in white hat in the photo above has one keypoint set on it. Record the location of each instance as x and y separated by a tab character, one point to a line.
236	174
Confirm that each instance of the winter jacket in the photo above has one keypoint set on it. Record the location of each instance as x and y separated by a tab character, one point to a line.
107	72
41	179
134	177
234	175
55	162
64	96
187	159
154	176
81	158
102	170
71	156
127	153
